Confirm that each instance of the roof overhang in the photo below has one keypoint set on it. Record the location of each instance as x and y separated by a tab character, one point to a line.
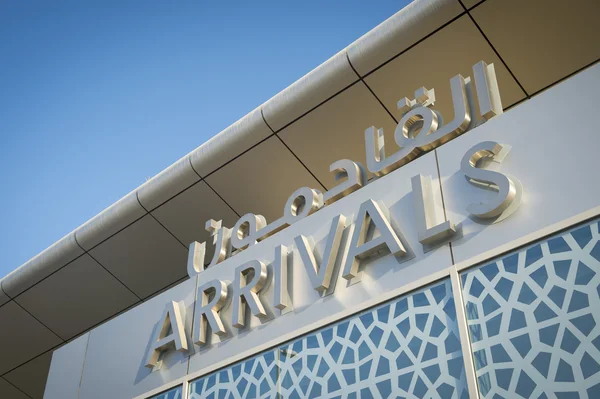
138	246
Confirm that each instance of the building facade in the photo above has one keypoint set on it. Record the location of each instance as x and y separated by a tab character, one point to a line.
417	217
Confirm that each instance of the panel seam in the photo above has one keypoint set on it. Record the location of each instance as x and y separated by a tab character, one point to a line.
65	342
16	387
157	221
108	271
414	44
231	160
371	90
39	321
293	153
437	165
87	344
494	50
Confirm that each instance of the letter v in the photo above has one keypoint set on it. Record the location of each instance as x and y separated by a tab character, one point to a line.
320	275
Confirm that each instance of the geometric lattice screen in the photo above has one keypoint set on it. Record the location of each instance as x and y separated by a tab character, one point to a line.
408	347
533	319
533	326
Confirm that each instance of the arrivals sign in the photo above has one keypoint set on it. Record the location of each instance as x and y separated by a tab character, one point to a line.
349	243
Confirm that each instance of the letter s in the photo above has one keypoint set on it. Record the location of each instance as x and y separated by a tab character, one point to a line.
509	189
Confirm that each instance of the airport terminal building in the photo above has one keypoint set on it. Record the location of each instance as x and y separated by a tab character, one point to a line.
418	217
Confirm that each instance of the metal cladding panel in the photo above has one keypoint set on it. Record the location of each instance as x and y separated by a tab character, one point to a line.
261	180
116	353
335	131
23	337
31	377
41	266
186	214
230	143
554	156
400	31
65	370
167	184
9	391
471	3
144	256
111	220
541	41
309	91
3	297
450	51
77	297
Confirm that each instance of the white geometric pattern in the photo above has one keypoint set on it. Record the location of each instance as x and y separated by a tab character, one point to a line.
532	319
408	348
253	378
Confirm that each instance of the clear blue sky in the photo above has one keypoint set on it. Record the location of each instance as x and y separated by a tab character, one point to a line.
96	96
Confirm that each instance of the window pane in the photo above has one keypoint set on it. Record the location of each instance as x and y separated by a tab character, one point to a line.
533	316
253	378
408	347
174	393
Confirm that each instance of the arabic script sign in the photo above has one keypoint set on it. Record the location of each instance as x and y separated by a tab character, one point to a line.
420	129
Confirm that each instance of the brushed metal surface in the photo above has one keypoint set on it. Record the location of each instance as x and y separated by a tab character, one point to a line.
309	91
230	143
109	221
167	183
31	377
41	266
23	339
400	31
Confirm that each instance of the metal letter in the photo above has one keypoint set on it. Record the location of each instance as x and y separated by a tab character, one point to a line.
171	320
206	312
417	117
359	248
196	255
355	176
460	123
421	129
432	228
221	236
244	233
488	94
280	278
509	189
320	275
246	293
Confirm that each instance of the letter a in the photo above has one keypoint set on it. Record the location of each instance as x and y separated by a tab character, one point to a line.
171	320
359	248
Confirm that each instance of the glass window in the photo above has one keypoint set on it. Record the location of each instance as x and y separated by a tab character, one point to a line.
407	347
253	378
533	316
174	393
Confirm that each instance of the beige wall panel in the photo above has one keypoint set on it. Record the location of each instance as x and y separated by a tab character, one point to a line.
261	180
542	41
335	131
433	62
